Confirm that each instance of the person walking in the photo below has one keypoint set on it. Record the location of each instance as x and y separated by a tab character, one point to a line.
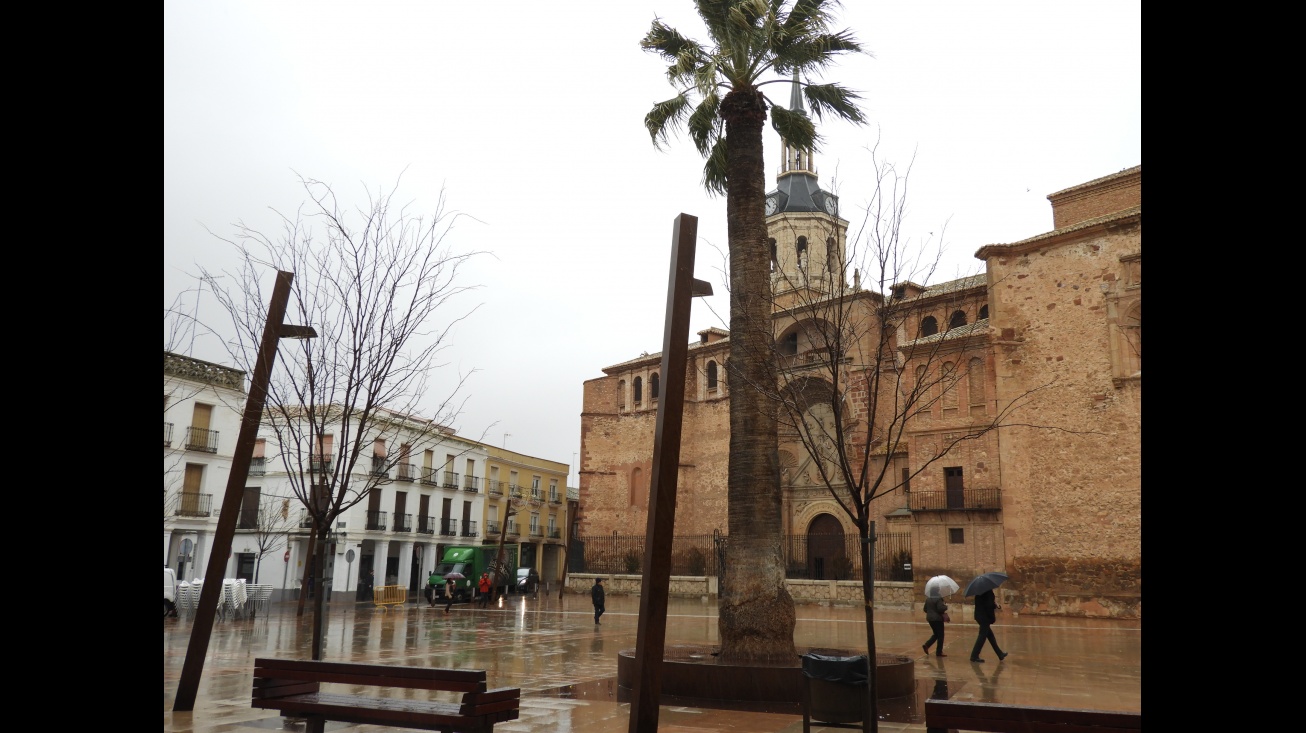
597	597
450	587
484	587
985	616
936	612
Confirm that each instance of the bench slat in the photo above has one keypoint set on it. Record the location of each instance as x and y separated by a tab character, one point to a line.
1004	718
369	670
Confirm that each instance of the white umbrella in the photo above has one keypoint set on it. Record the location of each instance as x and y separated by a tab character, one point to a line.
939	586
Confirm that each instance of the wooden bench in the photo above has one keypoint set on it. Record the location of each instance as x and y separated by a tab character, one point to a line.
1003	718
293	686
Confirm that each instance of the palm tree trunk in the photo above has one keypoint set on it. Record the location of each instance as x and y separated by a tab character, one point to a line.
756	612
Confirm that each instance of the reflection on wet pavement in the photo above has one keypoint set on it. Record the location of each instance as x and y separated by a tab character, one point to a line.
566	666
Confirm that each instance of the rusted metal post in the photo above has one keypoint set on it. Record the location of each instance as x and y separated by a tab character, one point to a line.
650	643
202	629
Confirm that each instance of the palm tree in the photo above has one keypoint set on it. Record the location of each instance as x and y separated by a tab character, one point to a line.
750	38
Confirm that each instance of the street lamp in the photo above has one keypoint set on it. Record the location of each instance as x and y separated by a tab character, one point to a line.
273	331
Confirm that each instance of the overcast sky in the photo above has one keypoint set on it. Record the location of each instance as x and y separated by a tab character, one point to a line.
530	116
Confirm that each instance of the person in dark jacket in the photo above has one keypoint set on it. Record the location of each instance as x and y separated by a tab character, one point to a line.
597	597
985	606
934	610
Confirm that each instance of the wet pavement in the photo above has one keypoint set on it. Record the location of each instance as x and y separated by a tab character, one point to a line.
566	666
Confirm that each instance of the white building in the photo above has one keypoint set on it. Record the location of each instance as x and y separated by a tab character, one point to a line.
421	488
202	404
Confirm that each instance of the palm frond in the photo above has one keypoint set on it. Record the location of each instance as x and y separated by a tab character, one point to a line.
795	127
704	124
833	99
665	117
667	42
714	168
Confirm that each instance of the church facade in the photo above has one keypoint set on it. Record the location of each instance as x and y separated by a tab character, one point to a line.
1019	449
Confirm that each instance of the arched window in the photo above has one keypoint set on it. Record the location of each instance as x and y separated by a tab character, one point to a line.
929	326
958	319
801	250
984	312
950	385
638	494
789	344
711	375
653	386
621	395
831	257
774	263
639	390
975	374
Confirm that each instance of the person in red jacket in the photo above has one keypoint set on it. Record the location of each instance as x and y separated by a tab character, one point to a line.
484	588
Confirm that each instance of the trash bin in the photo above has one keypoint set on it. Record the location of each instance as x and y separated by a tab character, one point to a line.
835	691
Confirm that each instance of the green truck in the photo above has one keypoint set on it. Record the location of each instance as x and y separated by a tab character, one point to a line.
471	561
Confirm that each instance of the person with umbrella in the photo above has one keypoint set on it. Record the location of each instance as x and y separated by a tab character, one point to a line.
936	611
986	605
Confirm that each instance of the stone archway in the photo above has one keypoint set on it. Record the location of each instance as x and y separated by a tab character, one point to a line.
827	555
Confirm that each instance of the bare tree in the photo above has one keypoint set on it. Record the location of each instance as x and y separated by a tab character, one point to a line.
271	531
864	364
381	295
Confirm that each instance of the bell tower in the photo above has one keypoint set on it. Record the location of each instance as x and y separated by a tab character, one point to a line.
806	234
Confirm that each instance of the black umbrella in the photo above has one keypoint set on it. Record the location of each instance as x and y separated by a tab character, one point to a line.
986	582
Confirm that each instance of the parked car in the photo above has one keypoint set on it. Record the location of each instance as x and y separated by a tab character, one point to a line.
169	592
528	580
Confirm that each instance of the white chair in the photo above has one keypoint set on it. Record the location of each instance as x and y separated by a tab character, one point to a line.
260	600
184	603
240	598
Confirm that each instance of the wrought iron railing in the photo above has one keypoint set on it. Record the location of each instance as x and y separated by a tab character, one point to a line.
167	435
202	439
406	472
429	477
450	480
426	525
194	505
472	483
495	487
258	466
469	528
955	499
378	467
403	523
376	520
449	527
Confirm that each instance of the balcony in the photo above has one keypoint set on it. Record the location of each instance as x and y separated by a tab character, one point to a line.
554	498
426	525
403	522
491	527
449	527
956	500
555	533
378	467
472	484
537	495
469	528
194	505
514	491
495	488
537	532
167	435
513	531
376	520
318	464
450	480
428	477
258	466
202	439
407	472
